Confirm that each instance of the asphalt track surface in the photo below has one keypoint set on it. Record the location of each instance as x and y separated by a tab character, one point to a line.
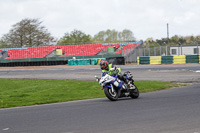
182	73
167	111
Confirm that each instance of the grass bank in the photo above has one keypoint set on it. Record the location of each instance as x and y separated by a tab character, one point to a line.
23	92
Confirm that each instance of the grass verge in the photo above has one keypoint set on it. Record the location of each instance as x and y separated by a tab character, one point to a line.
23	92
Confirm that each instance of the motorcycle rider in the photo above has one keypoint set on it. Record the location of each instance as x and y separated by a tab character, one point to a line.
110	69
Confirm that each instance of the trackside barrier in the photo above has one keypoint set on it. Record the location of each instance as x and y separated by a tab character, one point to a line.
79	62
181	59
166	59
138	60
144	60
93	61
192	58
199	58
155	59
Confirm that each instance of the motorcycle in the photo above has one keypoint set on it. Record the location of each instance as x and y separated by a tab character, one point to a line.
110	83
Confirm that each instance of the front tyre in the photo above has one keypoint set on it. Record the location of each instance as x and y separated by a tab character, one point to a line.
134	93
113	96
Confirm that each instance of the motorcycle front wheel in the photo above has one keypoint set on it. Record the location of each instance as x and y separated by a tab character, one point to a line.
113	96
134	93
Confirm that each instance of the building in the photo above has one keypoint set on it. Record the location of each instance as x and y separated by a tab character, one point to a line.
184	50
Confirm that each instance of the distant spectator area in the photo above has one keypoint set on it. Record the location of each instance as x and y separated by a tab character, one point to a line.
69	50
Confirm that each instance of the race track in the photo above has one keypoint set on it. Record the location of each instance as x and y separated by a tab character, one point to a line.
167	111
183	73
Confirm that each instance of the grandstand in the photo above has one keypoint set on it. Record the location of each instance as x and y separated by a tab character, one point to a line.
63	53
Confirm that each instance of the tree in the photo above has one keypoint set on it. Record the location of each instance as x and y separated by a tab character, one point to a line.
182	40
100	37
28	32
3	44
127	35
114	36
75	37
174	39
192	40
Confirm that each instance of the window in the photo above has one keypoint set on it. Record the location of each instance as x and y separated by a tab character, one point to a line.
174	51
196	50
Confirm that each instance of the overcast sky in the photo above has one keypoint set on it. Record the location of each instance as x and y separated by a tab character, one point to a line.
145	18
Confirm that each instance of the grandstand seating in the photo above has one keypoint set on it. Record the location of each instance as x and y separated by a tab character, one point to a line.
127	48
67	50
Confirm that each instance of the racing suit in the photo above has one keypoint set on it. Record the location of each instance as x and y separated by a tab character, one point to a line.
115	71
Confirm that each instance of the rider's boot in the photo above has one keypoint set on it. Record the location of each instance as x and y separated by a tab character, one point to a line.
130	85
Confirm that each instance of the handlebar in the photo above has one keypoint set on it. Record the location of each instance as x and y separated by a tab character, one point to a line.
97	78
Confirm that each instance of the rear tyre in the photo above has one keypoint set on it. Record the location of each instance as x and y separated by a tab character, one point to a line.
113	96
134	93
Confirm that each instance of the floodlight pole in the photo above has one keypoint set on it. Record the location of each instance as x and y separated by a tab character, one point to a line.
167	31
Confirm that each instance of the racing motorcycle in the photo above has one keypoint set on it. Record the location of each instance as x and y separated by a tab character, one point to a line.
109	84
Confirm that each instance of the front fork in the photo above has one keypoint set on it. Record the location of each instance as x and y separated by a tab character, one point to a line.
112	88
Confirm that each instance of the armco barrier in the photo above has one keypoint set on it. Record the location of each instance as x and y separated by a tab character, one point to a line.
181	59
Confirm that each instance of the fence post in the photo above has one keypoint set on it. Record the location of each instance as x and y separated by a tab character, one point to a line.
149	51
47	55
83	53
197	38
166	47
11	57
160	49
29	56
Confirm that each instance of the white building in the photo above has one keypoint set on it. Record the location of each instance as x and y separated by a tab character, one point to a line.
184	50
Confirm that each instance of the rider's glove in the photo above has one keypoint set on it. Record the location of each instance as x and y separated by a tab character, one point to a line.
113	69
115	73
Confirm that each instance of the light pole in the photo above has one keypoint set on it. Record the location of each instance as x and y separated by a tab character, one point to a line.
167	31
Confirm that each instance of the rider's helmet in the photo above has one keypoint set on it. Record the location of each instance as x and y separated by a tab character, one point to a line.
104	65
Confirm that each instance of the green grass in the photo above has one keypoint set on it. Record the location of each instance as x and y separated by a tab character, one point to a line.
23	92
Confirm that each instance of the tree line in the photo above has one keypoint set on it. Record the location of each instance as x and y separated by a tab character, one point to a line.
173	41
31	33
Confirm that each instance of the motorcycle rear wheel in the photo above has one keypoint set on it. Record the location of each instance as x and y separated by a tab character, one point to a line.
113	96
134	93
